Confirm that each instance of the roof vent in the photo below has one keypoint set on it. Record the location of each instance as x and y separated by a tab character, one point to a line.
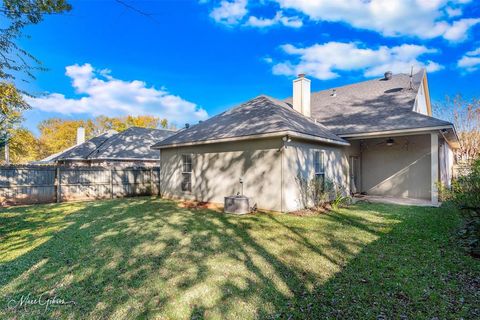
334	93
388	75
187	125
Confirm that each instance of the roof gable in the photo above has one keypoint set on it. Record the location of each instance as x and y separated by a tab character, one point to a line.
259	116
372	106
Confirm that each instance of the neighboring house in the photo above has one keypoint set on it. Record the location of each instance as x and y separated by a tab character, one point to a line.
376	137
127	148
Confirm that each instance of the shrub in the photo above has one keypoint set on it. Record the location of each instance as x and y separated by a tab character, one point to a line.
316	192
465	194
341	198
466	189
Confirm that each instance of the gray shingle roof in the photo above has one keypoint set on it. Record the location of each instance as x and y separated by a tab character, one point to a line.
82	151
371	106
261	115
133	143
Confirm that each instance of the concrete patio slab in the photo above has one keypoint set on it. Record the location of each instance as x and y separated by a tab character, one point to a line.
392	200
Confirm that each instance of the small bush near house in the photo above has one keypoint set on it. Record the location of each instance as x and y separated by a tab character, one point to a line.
465	194
321	193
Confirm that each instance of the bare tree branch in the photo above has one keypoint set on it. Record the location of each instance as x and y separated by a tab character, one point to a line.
143	13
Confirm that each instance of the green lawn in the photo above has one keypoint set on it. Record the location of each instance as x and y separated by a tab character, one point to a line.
148	258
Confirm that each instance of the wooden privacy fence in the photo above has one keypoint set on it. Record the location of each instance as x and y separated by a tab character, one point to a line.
44	184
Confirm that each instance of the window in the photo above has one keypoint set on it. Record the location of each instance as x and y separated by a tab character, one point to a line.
187	172
319	166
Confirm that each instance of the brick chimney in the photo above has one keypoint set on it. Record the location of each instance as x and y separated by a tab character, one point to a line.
301	95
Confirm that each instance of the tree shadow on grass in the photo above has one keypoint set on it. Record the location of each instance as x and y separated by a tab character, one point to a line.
146	258
415	270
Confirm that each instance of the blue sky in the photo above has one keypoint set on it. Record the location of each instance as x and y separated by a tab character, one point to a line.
189	60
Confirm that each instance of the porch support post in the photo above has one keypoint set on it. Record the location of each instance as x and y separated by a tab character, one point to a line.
434	167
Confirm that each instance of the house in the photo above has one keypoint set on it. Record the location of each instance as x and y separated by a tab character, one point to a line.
127	148
376	137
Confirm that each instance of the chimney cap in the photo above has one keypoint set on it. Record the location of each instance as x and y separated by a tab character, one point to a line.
388	75
302	75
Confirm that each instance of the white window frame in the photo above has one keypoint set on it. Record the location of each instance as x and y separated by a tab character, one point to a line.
186	187
319	166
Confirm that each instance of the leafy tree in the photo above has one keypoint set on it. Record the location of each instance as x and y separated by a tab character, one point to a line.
11	106
14	61
164	123
465	115
23	146
19	14
144	121
104	123
58	134
465	194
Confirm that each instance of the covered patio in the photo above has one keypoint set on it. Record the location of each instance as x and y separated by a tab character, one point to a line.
401	167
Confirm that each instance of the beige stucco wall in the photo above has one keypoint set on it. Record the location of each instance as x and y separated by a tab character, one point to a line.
446	162
402	170
218	167
270	171
298	159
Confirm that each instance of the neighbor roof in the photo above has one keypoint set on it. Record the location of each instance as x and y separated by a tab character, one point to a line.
260	116
372	106
131	144
83	150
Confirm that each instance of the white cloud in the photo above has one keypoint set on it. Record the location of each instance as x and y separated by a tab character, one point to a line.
453	12
233	12
106	95
230	12
422	18
470	61
268	59
433	66
278	19
323	61
425	19
475	52
458	31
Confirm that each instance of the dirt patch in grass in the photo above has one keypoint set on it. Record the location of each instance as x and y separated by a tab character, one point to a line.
312	212
199	205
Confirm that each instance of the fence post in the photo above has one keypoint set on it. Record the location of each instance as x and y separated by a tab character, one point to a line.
111	183
58	182
160	181
151	181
